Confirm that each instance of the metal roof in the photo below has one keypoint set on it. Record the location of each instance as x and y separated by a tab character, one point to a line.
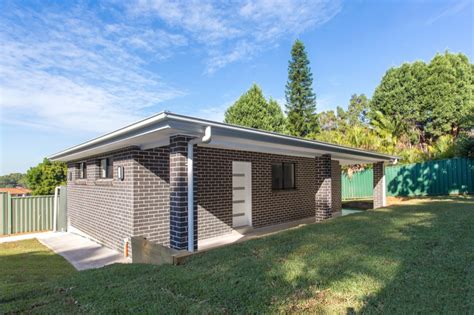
156	130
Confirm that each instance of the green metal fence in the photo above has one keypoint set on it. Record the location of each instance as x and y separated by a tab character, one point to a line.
25	214
441	177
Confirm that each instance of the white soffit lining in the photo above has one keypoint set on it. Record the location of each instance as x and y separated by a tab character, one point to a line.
265	147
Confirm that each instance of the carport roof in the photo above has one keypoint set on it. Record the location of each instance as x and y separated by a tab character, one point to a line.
156	130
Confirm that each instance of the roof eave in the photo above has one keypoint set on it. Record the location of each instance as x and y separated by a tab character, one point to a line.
190	125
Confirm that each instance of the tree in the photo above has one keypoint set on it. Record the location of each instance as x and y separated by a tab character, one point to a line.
12	180
253	110
358	110
427	101
300	98
43	178
328	120
399	97
448	95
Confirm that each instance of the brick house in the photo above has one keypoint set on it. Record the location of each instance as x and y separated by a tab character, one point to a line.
178	180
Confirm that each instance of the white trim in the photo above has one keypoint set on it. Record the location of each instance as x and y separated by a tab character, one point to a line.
254	146
196	126
121	131
97	150
273	134
190	173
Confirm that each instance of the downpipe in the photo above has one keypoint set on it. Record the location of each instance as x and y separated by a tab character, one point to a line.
205	139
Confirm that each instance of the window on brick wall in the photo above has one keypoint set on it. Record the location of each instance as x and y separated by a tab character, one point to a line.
106	168
82	170
283	176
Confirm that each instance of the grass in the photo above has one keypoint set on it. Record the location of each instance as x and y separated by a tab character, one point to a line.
417	257
26	269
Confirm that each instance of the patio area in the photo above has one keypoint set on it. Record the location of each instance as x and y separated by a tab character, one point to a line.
247	233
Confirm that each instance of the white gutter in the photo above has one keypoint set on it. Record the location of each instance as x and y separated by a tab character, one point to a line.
122	131
276	135
205	139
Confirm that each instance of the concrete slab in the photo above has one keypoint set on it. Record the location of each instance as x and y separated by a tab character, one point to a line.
25	236
350	211
81	252
246	233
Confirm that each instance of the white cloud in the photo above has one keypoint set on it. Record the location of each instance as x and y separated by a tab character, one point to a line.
85	67
451	9
237	30
74	71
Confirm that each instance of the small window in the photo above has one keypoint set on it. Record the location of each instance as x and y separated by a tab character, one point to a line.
283	176
106	168
82	170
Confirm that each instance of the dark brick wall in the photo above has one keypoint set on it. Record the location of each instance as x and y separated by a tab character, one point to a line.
379	186
152	199
103	208
323	198
110	210
179	192
151	195
336	186
214	190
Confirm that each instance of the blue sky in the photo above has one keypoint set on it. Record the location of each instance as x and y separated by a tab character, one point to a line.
73	71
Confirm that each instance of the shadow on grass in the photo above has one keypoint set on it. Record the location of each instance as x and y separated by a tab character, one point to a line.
413	258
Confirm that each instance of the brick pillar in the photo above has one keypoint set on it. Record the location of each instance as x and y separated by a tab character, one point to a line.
379	185
336	186
323	198
178	192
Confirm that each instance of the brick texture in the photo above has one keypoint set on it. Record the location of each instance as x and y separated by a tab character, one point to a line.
152	198
336	186
151	195
214	190
179	192
110	210
103	208
323	197
379	185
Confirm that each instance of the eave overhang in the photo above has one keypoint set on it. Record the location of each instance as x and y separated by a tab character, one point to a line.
156	130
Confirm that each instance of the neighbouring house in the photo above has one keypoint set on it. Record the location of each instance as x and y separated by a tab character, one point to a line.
178	180
16	192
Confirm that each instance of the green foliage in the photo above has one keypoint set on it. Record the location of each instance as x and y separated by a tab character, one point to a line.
443	148
427	101
328	120
13	180
448	94
300	98
399	96
464	145
253	110
358	110
43	178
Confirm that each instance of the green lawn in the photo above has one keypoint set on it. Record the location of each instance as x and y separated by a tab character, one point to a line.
417	257
27	269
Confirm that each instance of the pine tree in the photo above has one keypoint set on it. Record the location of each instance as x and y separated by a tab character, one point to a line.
300	98
253	110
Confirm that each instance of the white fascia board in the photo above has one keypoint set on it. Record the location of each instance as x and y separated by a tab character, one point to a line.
114	134
135	134
136	140
228	130
230	143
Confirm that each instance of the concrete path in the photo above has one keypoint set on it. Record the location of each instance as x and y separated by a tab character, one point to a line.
28	236
350	211
81	252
